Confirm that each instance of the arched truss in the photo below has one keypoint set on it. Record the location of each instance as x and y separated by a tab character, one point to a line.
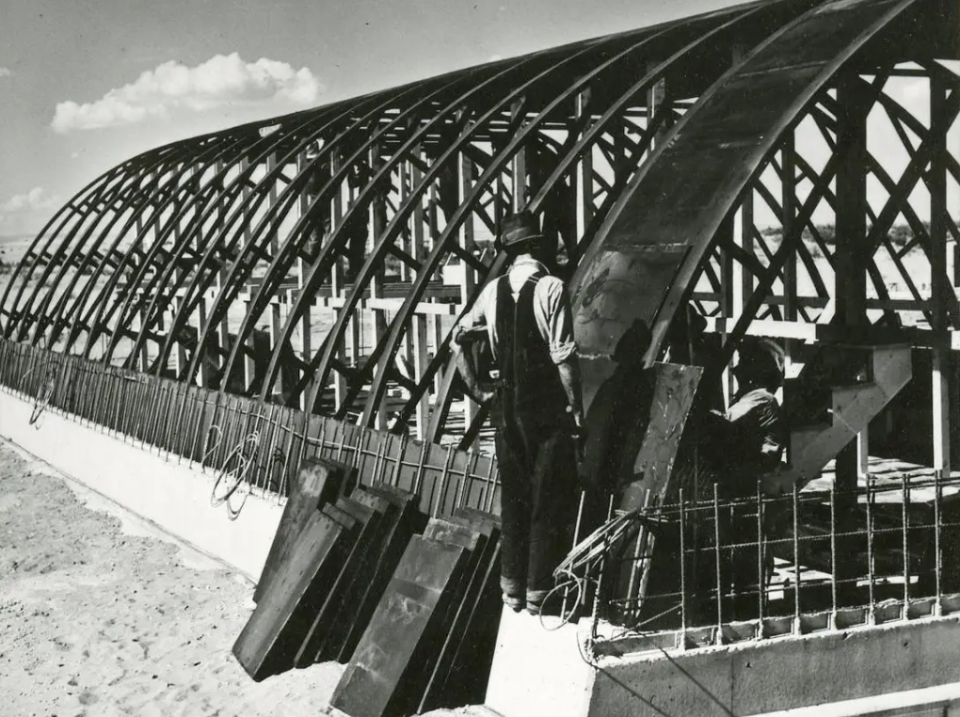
321	258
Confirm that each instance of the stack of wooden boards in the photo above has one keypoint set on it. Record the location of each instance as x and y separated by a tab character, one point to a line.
358	575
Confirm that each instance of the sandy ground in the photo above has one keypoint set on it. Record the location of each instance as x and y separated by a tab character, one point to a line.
98	618
101	614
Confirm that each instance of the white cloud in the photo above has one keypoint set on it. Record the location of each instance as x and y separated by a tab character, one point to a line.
37	199
220	81
6	72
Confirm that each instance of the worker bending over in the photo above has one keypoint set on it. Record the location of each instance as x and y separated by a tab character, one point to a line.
525	315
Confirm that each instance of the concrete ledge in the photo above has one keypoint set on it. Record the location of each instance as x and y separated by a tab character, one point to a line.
944	701
776	675
175	497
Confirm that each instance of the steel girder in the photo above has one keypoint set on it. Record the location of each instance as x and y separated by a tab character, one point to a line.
359	231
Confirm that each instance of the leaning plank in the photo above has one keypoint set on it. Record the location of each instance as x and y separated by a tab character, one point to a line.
319	481
273	635
395	541
460	674
360	571
402	632
368	522
473	541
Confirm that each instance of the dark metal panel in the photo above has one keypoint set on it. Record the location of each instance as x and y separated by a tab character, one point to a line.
680	198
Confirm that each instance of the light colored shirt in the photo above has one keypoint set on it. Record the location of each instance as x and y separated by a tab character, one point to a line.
551	308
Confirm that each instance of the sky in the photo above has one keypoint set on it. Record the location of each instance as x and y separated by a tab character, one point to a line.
87	84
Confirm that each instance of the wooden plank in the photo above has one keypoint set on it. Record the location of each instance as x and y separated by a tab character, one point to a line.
368	526
403	631
673	393
361	573
395	542
273	634
467	653
319	481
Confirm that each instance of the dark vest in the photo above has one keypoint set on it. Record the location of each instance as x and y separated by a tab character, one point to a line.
531	393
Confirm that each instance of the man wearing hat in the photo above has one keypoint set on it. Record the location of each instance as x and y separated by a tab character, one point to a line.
755	441
754	414
525	316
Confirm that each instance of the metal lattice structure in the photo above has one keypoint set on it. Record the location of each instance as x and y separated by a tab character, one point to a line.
320	259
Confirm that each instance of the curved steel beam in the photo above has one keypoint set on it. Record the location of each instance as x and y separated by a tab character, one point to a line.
441	246
142	199
242	267
284	258
35	253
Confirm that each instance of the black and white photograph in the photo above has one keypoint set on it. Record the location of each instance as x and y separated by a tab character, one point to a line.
525	358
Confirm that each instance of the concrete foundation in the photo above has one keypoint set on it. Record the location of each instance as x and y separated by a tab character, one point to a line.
174	496
816	672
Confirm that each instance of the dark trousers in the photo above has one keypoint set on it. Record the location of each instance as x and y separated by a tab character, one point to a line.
538	504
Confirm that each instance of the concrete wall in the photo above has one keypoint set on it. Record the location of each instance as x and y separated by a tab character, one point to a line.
175	497
783	674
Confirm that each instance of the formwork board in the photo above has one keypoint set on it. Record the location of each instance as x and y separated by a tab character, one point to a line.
395	541
369	526
403	631
359	572
318	482
462	667
273	635
473	541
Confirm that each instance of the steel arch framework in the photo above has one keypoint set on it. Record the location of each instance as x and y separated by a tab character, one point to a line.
320	259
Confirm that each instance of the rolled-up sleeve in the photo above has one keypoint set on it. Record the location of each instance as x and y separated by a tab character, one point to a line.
556	319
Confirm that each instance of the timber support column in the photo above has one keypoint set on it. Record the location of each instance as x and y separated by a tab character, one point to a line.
940	291
850	290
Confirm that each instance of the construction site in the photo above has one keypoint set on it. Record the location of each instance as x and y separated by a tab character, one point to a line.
252	331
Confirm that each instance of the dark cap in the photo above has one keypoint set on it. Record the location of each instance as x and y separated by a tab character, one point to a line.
518	228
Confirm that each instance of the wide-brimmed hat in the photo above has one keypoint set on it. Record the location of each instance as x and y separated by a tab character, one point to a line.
518	228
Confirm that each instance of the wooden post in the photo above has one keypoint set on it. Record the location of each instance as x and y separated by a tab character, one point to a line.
249	364
851	231
144	357
940	290
417	345
275	330
468	281
179	354
584	177
519	166
203	374
224	327
850	277
340	199
378	327
419	359
306	318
